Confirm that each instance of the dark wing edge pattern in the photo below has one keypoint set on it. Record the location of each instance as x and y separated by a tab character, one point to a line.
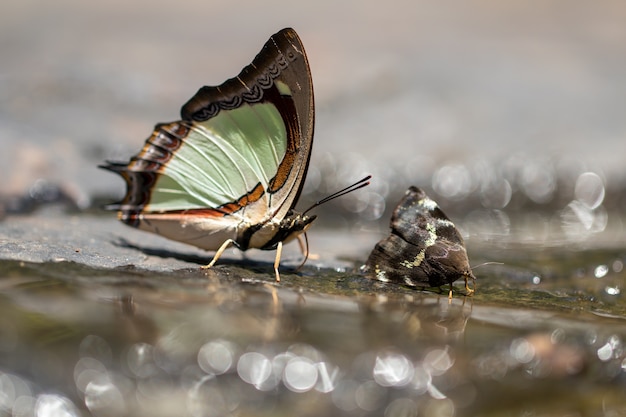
282	58
249	85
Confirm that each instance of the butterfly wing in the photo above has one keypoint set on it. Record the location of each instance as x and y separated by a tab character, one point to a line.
279	78
237	159
424	247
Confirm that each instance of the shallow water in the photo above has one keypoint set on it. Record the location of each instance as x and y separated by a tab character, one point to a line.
543	335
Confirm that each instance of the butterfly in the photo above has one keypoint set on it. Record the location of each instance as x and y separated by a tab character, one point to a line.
424	249
232	169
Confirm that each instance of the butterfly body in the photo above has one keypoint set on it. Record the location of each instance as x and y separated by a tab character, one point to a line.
424	249
232	169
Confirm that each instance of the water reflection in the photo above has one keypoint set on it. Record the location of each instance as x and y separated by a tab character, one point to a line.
52	405
392	369
18	399
250	347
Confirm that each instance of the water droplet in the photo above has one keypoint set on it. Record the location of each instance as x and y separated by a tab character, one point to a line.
522	350
401	407
618	266
605	352
52	405
437	361
103	397
369	395
589	190
300	374
328	376
452	181
140	360
601	271
216	357
254	368
393	369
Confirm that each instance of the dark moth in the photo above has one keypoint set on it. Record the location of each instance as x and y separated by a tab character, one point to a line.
424	249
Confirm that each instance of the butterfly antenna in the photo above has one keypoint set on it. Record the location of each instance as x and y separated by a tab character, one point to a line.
364	182
486	263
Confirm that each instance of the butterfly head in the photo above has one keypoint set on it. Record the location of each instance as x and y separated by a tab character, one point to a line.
294	224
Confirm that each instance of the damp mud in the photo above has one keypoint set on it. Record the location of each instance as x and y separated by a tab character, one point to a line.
100	319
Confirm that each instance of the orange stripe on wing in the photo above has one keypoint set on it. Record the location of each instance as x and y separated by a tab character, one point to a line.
221	211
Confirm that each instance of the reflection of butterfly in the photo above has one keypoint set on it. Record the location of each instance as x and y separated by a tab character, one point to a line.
424	248
231	171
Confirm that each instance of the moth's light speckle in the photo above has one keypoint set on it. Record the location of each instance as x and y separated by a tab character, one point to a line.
427	203
618	266
600	271
381	275
536	280
612	290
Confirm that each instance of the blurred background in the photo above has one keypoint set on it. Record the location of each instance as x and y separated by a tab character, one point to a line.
511	114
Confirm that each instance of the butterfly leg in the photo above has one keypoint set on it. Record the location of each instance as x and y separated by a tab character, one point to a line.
279	251
219	253
470	291
304	249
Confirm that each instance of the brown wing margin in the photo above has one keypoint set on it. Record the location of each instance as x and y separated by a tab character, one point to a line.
282	59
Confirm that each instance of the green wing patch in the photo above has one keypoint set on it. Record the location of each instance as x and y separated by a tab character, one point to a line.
222	159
